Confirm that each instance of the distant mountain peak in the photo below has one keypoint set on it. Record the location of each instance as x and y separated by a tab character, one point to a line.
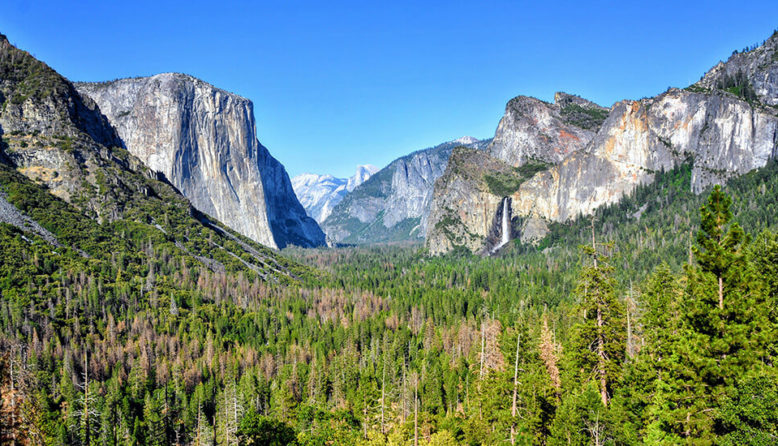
320	193
393	205
465	140
368	168
363	172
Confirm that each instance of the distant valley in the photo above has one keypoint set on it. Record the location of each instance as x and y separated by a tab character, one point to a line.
591	274
320	193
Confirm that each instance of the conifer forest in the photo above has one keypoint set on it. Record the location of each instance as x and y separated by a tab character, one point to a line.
171	308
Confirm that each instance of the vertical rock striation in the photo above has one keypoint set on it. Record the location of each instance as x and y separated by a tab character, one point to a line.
203	139
463	208
720	134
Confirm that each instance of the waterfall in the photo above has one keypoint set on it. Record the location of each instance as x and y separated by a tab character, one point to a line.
506	222
506	226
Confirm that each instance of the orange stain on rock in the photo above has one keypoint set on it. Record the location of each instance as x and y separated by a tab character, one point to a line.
563	134
610	144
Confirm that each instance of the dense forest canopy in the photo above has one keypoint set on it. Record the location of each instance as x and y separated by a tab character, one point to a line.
654	322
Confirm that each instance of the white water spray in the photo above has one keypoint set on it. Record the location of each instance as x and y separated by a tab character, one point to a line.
506	226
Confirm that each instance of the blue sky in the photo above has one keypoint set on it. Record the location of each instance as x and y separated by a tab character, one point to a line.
336	84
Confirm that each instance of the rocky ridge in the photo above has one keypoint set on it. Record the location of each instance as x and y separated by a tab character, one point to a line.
463	208
59	139
203	140
724	126
532	129
393	204
758	68
720	134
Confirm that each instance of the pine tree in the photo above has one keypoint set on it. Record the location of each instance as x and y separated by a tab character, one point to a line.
153	419
599	340
699	345
581	419
642	405
718	248
203	431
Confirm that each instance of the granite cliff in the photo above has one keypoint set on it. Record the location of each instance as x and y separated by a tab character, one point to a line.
203	140
720	134
752	73
394	203
725	125
531	136
535	130
65	177
464	208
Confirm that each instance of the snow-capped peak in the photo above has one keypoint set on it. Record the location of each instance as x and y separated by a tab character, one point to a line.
465	140
320	193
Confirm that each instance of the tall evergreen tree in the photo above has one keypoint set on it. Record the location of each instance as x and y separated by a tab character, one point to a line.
719	246
599	340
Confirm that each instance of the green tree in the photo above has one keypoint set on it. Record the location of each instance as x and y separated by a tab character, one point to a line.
255	429
581	419
153	419
698	352
749	415
719	247
641	405
599	340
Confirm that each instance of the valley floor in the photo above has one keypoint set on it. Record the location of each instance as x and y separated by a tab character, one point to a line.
664	332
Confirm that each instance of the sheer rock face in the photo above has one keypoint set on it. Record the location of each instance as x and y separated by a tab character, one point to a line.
721	134
203	140
394	203
463	209
535	130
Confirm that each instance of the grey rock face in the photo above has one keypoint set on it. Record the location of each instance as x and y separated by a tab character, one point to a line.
57	138
53	108
721	134
535	130
13	216
463	209
319	193
394	204
203	140
363	173
464	205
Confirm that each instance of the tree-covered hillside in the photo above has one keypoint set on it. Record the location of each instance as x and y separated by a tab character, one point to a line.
129	318
132	339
